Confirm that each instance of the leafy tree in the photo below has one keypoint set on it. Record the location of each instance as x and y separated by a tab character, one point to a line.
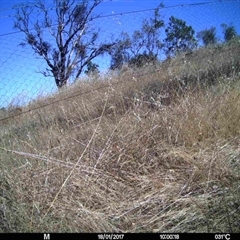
229	32
63	37
146	43
143	46
208	36
119	53
179	37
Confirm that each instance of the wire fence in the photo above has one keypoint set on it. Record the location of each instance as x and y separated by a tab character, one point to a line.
21	75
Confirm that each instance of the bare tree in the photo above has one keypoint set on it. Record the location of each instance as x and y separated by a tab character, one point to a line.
63	37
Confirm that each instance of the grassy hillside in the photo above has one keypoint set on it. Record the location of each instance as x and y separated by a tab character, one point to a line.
151	150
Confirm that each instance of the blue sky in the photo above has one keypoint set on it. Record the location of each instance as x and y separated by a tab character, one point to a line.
19	81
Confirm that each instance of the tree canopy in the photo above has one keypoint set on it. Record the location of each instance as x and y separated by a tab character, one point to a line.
179	37
208	36
229	32
143	46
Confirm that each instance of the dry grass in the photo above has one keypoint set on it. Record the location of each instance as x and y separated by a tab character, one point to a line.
143	153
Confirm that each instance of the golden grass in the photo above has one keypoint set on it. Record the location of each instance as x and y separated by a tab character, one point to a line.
123	159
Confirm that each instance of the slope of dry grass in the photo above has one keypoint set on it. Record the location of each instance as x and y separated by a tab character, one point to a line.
142	153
